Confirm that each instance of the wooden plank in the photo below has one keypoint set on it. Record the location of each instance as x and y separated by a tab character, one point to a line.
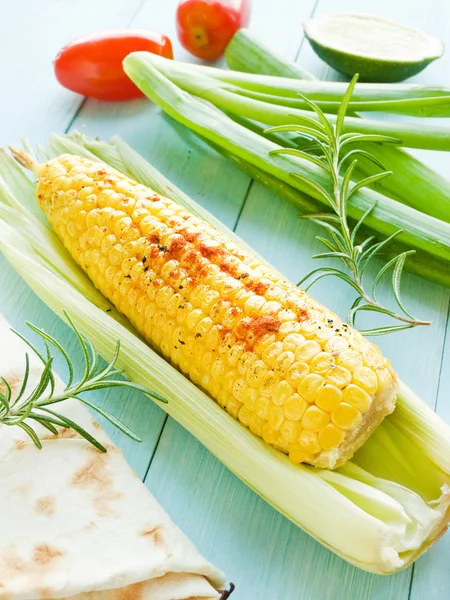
32	102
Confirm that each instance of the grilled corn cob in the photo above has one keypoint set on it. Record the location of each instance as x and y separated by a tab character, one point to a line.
274	358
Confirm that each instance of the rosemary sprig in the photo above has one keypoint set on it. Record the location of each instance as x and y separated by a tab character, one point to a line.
331	150
35	405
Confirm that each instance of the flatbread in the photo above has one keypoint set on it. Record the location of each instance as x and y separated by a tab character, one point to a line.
75	522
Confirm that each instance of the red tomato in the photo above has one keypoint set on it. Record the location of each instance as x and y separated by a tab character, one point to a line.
92	65
205	27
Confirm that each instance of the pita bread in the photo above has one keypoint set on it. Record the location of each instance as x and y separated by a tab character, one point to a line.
75	522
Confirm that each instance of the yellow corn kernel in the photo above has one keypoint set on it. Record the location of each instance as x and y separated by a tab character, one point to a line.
276	417
262	406
283	445
255	373
272	352
309	442
307	350
322	362
281	392
291	342
290	431
239	388
233	407
357	397
346	416
315	418
331	436
350	359
385	380
294	407
366	378
269	434
271	356
298	455
249	398
296	373
328	397
244	415
338	376
310	386
283	362
256	424
336	345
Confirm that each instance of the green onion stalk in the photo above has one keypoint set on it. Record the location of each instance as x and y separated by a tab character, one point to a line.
428	236
380	511
198	81
412	182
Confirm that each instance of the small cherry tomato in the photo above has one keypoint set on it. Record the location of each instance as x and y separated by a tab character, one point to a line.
205	27
92	65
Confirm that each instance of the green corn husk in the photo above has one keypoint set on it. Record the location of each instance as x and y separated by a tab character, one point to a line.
380	511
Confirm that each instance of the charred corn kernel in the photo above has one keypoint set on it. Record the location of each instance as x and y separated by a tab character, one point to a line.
357	397
294	407
346	416
330	437
270	355
328	397
315	418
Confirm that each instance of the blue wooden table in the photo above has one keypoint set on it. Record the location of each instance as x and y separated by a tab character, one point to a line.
262	552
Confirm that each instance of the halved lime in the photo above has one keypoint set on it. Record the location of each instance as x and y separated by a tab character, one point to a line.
378	49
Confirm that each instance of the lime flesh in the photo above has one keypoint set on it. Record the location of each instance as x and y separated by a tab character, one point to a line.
378	49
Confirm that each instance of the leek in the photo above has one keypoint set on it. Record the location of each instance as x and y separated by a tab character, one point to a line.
364	511
412	182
